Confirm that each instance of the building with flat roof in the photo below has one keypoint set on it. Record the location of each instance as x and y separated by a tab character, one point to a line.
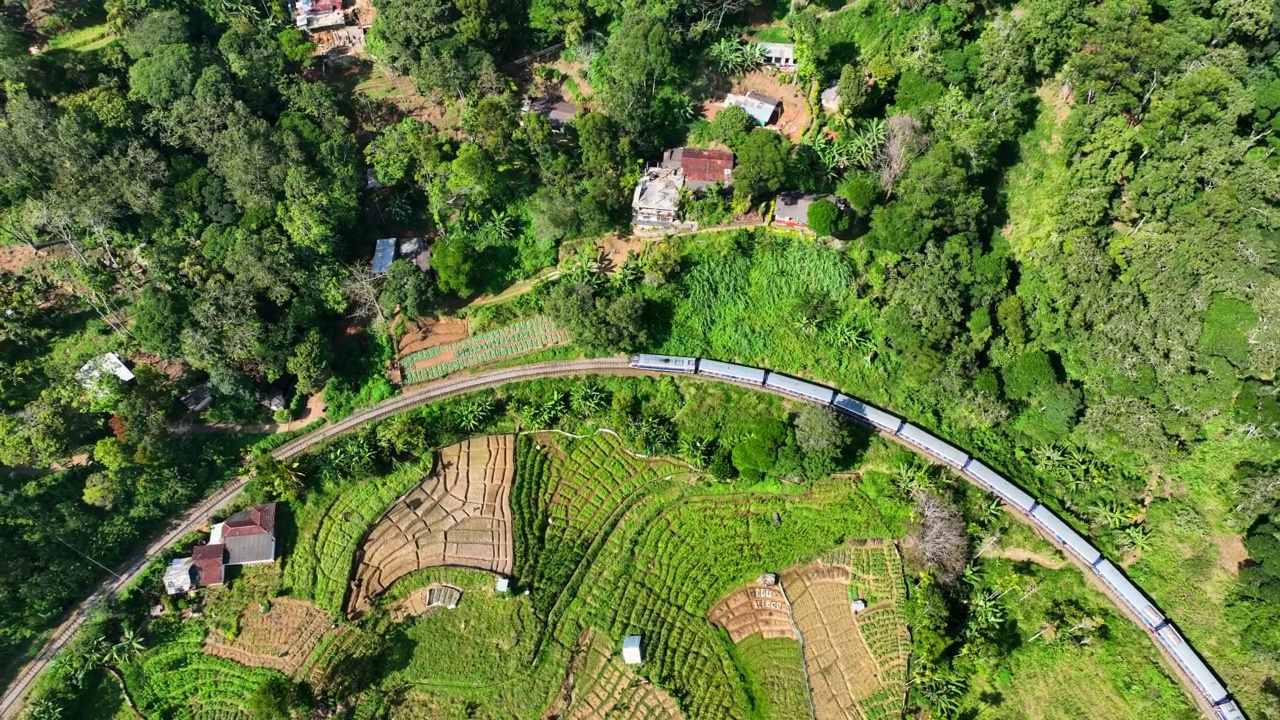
792	208
656	200
179	577
780	55
762	108
101	366
557	111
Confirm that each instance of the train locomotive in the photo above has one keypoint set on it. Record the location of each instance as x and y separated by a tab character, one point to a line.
1209	686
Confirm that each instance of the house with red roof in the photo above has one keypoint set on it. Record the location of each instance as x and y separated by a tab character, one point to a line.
700	167
246	538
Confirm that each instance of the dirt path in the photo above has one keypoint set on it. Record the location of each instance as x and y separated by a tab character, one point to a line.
1024	555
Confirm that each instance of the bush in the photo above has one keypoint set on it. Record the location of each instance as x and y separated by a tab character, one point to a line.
826	219
731	126
861	191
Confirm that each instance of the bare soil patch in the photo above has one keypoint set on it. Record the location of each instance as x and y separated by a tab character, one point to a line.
794	117
16	258
459	516
426	333
755	608
281	638
1231	552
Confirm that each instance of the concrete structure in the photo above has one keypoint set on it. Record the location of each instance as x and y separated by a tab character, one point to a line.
657	198
700	167
631	650
179	577
108	364
502	585
760	107
780	55
317	14
444	596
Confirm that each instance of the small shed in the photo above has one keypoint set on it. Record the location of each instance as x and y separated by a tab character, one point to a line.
858	606
792	208
198	398
831	99
179	577
384	252
760	107
767	579
780	55
631	650
502	585
558	112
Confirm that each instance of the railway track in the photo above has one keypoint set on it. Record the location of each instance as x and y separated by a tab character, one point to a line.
11	702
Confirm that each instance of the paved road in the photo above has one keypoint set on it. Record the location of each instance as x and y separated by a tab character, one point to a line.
11	702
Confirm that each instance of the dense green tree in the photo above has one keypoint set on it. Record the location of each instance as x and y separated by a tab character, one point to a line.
167	74
826	219
761	165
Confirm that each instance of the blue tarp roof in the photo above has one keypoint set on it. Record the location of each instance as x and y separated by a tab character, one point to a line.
383	254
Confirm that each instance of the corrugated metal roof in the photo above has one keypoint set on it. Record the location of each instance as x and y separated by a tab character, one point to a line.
249	549
760	107
207	560
383	253
702	165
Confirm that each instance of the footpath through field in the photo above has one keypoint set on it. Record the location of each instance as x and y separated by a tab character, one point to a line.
11	702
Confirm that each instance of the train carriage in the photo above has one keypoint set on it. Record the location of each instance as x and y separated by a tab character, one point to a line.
996	483
664	363
877	417
730	371
800	388
1068	537
1190	660
1229	710
1129	593
944	451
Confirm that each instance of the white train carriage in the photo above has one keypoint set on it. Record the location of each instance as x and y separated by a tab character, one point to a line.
730	371
664	363
1229	710
944	451
996	483
877	417
800	388
1068	537
1130	594
1190	660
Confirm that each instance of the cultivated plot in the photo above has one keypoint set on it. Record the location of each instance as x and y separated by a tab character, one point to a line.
856	660
458	516
759	608
281	638
606	688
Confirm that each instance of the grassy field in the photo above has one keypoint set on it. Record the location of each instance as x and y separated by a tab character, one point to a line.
773	673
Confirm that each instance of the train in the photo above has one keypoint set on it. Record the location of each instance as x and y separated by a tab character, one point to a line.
1140	606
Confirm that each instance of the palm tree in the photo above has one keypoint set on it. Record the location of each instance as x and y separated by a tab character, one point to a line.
43	709
398	207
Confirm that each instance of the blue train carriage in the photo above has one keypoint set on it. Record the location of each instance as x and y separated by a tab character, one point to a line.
1210	686
1130	594
1068	537
731	371
944	451
664	363
800	388
996	483
866	413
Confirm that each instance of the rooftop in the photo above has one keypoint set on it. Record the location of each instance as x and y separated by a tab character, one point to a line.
793	207
659	189
698	165
178	577
384	252
631	650
556	110
107	364
207	560
760	107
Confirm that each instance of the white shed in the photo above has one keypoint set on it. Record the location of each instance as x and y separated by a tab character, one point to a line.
631	650
502	585
177	577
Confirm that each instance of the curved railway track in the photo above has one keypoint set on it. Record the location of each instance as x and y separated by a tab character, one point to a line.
11	702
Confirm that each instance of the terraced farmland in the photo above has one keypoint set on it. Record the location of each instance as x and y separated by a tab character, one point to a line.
281	638
517	339
458	516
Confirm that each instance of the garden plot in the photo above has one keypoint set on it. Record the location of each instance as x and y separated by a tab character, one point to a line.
520	338
856	662
611	689
758	608
458	516
281	638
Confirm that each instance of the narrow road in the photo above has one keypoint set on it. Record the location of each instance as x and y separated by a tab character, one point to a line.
11	702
